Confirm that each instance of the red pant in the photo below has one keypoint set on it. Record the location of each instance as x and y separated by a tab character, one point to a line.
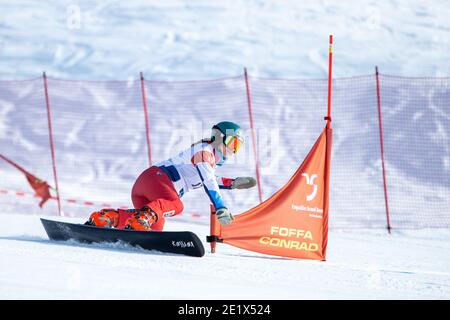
155	189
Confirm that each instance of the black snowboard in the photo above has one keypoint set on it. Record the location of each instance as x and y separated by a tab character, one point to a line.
180	242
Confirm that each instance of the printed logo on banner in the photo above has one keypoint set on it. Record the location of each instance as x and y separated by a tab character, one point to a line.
310	181
312	211
290	238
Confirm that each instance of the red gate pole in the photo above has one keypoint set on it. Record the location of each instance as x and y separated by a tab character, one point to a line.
252	127
330	69
212	229
328	150
147	128
52	145
380	125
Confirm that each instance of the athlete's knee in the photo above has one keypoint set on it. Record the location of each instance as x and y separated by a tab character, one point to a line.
178	207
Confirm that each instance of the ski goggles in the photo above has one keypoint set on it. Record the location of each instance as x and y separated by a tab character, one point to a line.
233	143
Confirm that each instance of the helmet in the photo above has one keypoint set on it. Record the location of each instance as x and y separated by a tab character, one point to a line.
228	133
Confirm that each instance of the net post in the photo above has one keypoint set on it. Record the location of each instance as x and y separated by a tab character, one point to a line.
383	167
252	127
147	127
52	145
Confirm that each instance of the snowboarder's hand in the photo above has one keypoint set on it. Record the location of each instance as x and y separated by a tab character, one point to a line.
224	216
243	183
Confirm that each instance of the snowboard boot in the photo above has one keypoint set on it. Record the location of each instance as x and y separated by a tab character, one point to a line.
105	218
142	220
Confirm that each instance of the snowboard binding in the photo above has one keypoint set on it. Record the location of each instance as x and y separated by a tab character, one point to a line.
142	220
105	218
136	219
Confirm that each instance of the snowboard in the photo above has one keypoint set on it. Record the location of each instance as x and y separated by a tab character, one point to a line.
178	242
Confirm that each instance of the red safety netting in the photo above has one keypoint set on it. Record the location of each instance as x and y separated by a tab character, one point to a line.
24	138
99	136
416	124
102	141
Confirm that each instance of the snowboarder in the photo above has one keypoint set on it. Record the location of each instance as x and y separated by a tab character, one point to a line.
157	191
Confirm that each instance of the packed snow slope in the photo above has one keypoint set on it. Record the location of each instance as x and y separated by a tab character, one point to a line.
360	265
179	40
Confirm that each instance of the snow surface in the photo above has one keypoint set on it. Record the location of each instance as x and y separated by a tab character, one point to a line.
180	40
203	39
360	265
